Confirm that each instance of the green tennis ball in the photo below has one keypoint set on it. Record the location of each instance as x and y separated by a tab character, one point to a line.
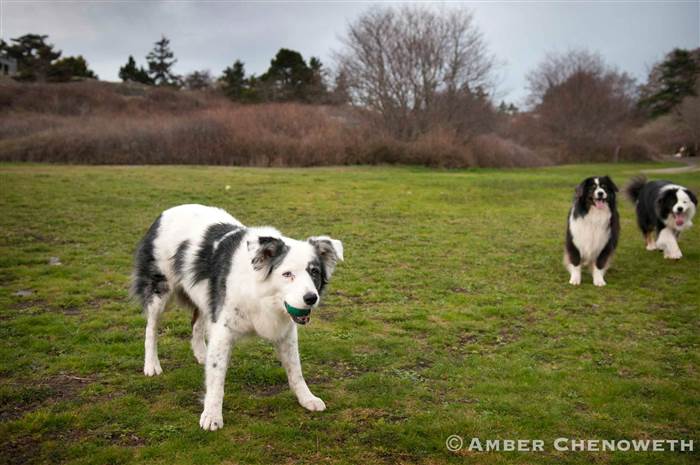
296	311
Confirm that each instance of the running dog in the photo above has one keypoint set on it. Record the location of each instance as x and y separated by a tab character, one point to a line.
663	208
237	281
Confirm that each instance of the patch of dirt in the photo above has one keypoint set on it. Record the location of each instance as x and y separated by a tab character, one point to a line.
269	390
26	449
44	307
57	388
24	304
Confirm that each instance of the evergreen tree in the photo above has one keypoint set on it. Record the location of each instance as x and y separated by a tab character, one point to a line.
160	64
130	72
34	56
69	68
670	81
287	77
234	83
315	89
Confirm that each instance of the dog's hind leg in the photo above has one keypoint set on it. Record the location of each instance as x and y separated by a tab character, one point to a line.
199	347
288	353
199	323
154	309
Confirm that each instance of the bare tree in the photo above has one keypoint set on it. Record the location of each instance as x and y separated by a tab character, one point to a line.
557	68
415	65
581	102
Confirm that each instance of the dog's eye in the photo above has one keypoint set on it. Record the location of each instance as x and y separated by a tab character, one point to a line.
287	274
314	271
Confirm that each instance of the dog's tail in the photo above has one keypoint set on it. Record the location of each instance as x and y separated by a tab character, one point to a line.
634	188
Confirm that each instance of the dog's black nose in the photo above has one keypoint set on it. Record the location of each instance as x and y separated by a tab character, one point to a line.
310	298
599	195
679	209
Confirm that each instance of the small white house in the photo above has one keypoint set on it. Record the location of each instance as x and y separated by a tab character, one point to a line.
8	65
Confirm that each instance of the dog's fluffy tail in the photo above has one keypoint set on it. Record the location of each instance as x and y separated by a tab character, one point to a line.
634	188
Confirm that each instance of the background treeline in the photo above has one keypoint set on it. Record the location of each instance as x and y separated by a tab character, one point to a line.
410	85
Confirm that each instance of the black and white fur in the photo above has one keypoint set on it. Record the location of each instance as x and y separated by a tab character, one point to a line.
663	208
236	280
593	229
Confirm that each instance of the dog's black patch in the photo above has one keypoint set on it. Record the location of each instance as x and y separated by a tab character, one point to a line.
221	266
269	255
666	201
326	254
571	249
213	261
316	270
203	260
179	257
148	280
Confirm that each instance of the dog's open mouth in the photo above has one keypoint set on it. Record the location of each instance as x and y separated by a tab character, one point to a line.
300	316
599	203
301	320
680	219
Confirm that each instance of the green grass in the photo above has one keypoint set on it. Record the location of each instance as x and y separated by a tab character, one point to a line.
451	315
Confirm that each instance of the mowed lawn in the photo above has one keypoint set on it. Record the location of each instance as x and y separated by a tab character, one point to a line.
452	314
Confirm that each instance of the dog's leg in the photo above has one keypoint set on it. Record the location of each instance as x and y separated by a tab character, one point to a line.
220	342
572	259
575	272
669	244
288	353
601	264
154	309
199	347
649	239
598	275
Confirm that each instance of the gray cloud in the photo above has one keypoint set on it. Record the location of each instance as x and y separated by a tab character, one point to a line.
212	34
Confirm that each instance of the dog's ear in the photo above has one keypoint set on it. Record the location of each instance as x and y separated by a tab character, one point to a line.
692	196
608	180
268	253
329	250
580	190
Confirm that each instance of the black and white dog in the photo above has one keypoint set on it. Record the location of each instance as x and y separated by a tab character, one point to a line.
237	281
593	229
663	208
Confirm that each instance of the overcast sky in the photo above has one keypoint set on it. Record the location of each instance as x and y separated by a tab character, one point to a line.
212	34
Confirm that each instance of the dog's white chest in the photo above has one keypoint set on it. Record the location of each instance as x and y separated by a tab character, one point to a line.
591	232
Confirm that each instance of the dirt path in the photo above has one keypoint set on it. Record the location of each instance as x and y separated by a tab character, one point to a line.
692	164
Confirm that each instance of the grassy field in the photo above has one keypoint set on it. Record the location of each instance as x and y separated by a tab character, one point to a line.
451	315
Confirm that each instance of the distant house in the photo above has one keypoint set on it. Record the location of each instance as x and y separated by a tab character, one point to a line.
8	66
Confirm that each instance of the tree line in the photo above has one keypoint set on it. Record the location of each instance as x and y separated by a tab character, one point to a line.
288	78
417	69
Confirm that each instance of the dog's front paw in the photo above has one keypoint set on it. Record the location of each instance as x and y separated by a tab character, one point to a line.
652	246
152	368
600	282
313	403
575	280
210	421
675	255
